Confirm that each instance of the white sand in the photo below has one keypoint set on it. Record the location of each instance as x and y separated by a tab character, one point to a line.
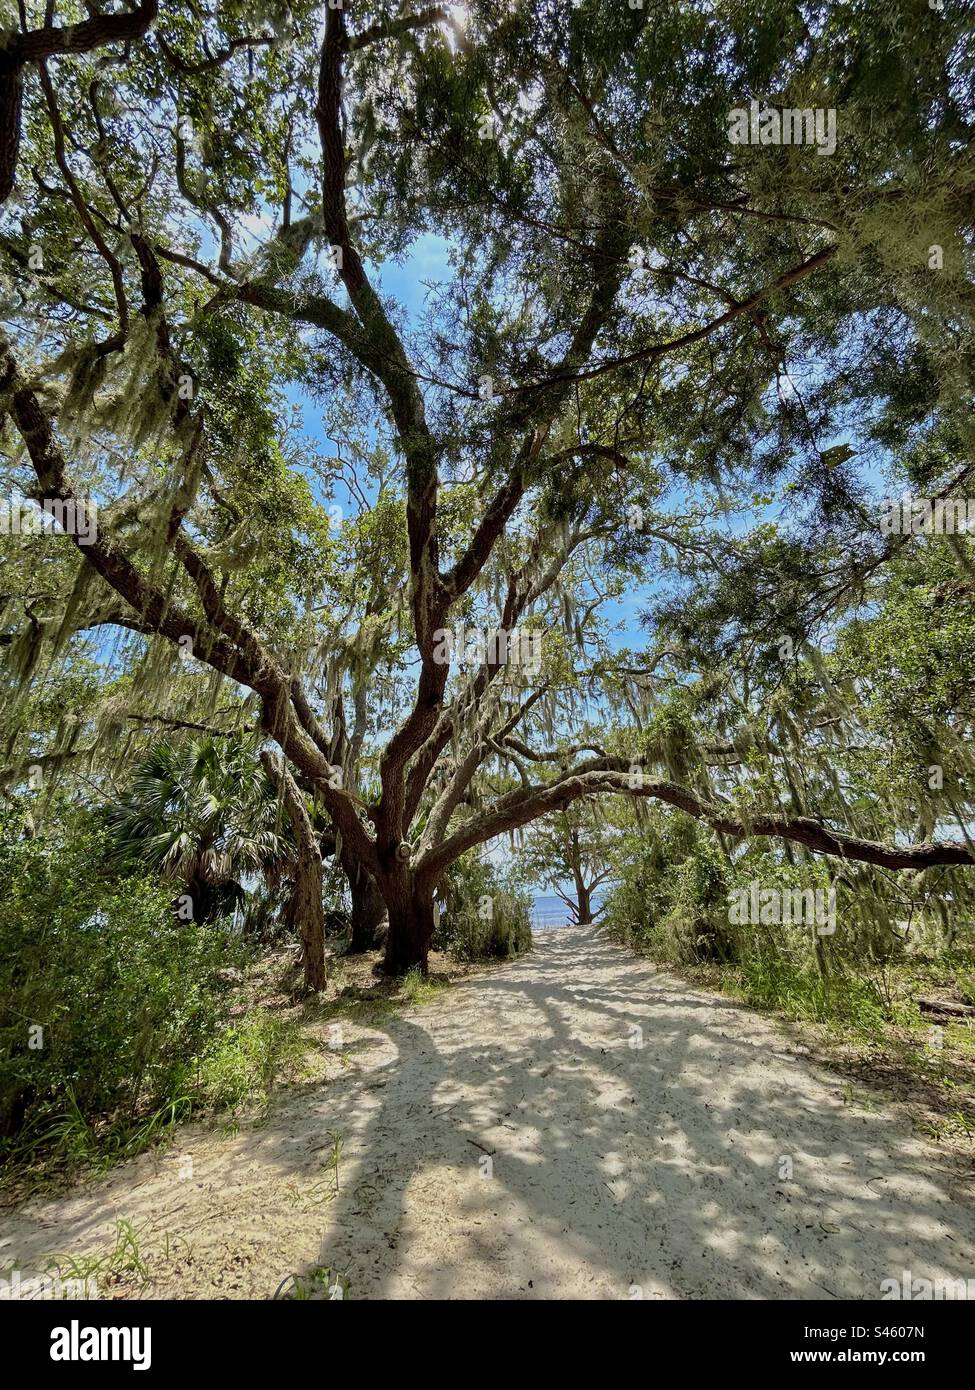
618	1171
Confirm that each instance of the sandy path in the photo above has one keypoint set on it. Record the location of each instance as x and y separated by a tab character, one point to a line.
616	1171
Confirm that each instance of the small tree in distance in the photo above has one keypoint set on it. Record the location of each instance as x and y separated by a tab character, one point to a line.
570	853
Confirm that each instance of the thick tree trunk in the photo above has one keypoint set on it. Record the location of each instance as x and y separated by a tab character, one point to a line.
583	905
368	908
306	908
411	924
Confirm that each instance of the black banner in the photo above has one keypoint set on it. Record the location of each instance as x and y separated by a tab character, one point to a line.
154	1338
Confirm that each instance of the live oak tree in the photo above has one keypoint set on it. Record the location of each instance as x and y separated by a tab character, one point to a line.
638	323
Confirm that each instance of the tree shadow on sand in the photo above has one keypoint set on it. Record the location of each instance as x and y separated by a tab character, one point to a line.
643	1140
572	1124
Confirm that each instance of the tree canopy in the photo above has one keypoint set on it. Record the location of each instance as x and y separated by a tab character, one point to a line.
592	508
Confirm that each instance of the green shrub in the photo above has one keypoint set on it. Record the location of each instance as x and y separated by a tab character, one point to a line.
670	894
106	999
775	982
483	918
239	1068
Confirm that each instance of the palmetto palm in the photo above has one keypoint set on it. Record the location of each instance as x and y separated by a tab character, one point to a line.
202	813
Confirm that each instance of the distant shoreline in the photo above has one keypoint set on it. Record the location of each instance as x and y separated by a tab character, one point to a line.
548	910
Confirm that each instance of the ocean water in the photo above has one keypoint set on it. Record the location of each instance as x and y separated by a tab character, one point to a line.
549	911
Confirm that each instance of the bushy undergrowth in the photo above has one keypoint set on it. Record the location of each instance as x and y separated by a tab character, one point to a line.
778	982
483	917
110	1007
670	895
673	888
239	1069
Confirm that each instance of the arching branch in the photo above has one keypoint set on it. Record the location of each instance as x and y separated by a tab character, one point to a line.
614	776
